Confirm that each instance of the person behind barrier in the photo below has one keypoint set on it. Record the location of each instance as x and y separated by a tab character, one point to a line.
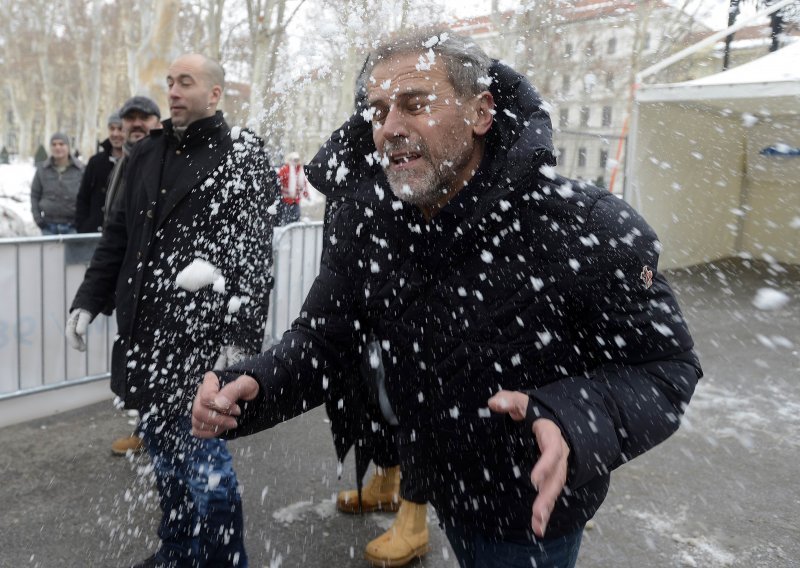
54	189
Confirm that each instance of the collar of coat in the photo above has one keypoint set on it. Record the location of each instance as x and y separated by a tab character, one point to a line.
199	132
519	144
73	163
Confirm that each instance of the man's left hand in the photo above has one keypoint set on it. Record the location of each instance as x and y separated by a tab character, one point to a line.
549	474
215	409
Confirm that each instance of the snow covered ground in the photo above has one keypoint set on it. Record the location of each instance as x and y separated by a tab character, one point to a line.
15	200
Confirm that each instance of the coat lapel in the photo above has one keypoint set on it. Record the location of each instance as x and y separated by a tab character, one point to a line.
204	161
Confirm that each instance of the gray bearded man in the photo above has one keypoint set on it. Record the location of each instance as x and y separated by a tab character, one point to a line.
524	356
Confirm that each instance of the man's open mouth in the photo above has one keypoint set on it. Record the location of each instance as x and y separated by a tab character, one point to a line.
400	159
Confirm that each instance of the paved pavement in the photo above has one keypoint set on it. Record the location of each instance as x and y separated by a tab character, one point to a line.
723	492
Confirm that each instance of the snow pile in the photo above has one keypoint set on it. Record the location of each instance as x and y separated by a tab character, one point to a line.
199	274
16	218
769	299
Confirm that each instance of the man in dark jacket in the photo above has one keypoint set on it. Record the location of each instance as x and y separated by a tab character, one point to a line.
494	288
54	189
189	257
92	193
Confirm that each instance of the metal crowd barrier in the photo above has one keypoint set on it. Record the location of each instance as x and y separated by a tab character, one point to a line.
40	275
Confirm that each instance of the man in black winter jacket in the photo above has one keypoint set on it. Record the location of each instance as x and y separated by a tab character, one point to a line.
528	342
92	192
187	259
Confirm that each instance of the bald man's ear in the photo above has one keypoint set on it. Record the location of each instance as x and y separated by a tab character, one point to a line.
215	95
485	113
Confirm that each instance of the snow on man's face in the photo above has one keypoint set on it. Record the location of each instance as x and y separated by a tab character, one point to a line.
192	95
429	139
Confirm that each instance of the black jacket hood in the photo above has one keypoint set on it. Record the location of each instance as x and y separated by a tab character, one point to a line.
521	139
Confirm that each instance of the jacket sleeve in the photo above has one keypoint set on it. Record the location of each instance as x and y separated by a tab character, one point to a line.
96	292
641	370
84	198
299	372
36	195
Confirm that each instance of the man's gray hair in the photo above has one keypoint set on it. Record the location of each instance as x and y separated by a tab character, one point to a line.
466	64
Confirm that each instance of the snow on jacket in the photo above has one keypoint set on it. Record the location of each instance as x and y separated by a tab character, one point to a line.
524	281
91	198
53	193
203	215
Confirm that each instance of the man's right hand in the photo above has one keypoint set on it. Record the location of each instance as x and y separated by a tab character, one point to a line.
214	409
77	324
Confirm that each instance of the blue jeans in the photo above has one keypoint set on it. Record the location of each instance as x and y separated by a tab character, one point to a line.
473	550
58	229
201	508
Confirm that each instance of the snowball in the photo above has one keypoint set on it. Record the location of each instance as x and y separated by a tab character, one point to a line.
769	299
198	274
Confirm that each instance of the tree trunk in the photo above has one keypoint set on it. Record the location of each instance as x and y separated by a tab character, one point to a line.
92	94
23	114
214	27
155	52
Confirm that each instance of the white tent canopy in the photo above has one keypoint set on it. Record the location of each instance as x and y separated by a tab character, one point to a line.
711	165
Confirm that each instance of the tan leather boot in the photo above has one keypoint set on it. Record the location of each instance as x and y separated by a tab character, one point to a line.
406	540
121	446
381	493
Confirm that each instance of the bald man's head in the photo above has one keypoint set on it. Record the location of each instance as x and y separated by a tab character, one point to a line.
195	86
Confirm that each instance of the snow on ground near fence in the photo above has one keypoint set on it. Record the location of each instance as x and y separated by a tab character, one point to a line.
15	199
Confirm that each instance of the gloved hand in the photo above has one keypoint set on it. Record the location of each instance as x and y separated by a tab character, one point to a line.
229	355
77	324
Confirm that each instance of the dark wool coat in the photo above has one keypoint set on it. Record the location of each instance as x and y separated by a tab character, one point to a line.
209	201
92	193
524	281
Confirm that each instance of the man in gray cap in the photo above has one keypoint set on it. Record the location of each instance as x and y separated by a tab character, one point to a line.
139	115
92	193
54	189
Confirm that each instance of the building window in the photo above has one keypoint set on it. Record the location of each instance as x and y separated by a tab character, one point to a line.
589	81
581	157
567	50
603	158
585	116
565	83
561	155
612	45
590	48
647	40
563	117
610	80
606	116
